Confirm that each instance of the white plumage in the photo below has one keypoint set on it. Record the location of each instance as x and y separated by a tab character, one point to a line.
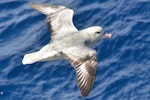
69	43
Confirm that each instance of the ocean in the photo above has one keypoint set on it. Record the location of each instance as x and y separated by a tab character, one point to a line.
123	61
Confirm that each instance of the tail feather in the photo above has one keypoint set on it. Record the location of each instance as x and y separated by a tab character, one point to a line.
30	58
42	55
46	9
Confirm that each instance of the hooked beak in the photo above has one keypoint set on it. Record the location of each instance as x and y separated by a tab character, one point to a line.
108	35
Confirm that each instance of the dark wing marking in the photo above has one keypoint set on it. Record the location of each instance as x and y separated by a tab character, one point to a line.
84	61
59	19
86	73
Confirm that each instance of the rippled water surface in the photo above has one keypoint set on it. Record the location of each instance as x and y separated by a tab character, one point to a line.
124	60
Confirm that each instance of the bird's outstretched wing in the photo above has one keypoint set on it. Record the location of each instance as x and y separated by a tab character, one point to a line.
84	61
59	19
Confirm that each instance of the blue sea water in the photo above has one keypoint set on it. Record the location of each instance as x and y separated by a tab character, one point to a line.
124	61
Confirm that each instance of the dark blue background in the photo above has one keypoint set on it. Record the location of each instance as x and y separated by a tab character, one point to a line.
124	60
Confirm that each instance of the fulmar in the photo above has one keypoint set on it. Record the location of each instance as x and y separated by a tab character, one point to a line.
67	42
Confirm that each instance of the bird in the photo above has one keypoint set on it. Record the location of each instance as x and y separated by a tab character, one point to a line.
67	42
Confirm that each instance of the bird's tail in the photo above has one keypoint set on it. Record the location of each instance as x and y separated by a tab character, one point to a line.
46	9
45	54
30	58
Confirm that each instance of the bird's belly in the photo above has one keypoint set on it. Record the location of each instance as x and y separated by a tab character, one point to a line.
65	43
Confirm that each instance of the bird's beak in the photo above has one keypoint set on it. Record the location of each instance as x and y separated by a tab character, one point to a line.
108	35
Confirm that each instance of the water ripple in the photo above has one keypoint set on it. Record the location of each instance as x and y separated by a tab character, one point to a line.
123	71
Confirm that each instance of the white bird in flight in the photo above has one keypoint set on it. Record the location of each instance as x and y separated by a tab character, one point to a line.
69	43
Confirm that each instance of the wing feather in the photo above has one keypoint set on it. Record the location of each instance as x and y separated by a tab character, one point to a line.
86	73
59	19
84	61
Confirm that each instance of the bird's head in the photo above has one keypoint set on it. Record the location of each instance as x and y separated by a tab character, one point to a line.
96	33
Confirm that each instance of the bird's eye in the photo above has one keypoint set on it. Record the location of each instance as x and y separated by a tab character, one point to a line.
98	32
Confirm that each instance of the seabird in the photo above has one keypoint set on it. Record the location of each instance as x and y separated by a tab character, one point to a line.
67	42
